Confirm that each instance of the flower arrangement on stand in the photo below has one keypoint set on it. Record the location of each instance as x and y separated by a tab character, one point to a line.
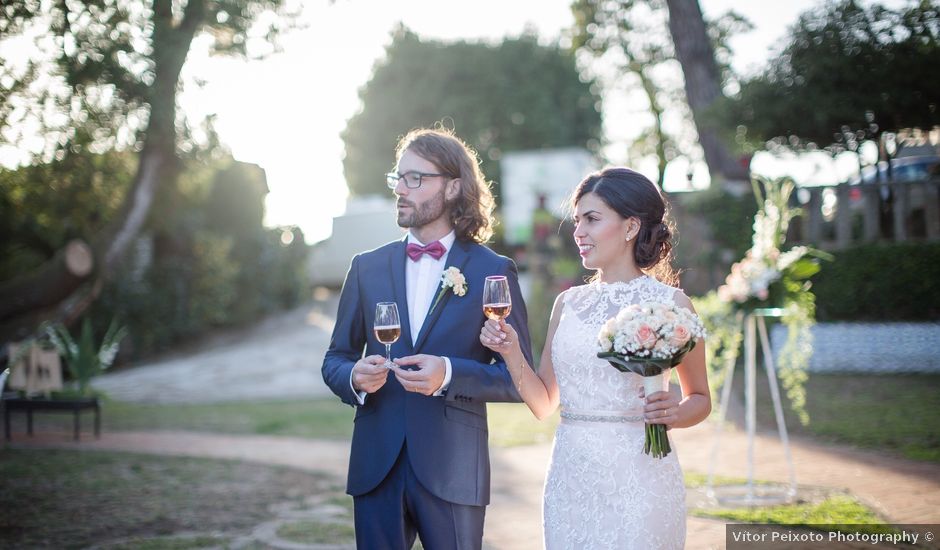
768	278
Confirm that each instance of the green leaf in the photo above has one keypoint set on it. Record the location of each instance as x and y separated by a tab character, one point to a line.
804	269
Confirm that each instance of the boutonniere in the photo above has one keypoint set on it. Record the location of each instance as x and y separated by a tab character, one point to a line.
453	279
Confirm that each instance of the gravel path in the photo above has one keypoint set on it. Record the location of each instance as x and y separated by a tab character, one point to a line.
278	358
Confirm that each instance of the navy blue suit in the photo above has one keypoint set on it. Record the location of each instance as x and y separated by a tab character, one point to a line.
442	440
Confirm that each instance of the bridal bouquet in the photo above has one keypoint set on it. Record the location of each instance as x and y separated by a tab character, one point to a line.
649	339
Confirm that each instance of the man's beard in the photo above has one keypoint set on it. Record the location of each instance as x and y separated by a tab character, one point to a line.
423	214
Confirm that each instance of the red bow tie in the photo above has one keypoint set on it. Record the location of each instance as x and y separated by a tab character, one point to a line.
434	250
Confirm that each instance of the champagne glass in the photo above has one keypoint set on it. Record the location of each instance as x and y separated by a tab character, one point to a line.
497	303
387	327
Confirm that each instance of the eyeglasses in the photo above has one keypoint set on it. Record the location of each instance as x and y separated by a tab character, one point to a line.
413	180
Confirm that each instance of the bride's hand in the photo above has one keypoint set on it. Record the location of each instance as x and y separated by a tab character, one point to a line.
662	407
501	338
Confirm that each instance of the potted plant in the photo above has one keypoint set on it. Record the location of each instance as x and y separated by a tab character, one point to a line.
83	357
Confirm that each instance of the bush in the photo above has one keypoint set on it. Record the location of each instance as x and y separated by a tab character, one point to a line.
730	219
884	282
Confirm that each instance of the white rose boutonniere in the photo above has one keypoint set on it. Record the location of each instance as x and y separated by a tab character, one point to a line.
453	279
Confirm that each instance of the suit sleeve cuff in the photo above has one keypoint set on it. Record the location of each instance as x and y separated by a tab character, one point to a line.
448	372
360	395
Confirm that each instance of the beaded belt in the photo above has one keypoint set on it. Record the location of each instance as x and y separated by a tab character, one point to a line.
601	416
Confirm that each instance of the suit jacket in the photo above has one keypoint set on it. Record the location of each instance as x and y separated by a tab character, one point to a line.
446	435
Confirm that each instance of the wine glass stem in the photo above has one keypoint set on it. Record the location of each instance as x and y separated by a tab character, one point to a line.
388	354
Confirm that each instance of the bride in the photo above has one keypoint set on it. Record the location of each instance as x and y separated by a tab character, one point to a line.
602	491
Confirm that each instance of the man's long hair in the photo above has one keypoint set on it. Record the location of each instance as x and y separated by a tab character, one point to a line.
471	213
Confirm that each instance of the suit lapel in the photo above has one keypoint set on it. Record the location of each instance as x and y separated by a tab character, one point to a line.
457	257
396	266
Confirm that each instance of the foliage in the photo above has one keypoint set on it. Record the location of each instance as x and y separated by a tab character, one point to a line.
729	217
724	337
769	278
105	68
205	260
43	206
625	33
881	282
542	102
632	37
86	359
848	73
91	76
212	282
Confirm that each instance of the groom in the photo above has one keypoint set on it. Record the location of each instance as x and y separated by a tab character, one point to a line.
419	463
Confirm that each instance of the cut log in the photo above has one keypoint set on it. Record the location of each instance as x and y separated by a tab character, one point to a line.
50	283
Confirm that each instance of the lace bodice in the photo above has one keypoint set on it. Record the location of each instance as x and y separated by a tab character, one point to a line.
587	383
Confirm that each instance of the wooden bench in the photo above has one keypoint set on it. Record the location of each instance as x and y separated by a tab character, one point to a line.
74	406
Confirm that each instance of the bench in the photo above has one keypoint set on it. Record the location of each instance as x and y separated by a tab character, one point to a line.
74	406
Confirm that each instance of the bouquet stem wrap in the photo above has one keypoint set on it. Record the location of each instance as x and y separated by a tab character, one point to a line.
655	373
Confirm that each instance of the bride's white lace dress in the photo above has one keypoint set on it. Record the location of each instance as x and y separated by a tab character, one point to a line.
602	491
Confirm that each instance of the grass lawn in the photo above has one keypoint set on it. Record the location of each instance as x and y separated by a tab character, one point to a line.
834	510
897	413
313	418
510	423
72	499
891	413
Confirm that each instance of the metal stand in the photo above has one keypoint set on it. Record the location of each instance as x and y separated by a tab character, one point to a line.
749	494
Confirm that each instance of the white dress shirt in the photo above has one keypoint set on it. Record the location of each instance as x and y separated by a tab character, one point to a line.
422	280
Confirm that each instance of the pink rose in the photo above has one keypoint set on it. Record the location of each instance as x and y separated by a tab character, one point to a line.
646	337
680	336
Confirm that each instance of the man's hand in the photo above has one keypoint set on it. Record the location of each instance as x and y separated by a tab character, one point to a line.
426	379
369	374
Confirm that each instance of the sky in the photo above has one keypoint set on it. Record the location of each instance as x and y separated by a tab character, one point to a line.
286	112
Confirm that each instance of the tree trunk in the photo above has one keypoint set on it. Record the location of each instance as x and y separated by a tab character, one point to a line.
52	291
702	87
649	87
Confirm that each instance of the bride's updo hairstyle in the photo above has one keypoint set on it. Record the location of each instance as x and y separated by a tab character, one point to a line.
632	194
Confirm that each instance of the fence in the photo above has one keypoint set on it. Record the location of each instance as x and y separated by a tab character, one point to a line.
841	215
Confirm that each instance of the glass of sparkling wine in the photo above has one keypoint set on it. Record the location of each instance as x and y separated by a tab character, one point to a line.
387	327
497	303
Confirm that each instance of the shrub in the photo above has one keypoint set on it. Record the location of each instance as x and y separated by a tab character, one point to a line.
880	282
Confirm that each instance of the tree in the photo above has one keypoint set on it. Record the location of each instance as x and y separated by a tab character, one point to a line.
109	79
628	39
511	96
45	205
623	33
695	51
848	73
